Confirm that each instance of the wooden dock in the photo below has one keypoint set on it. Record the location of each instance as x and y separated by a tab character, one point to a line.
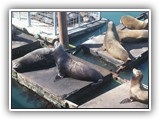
112	99
62	93
44	32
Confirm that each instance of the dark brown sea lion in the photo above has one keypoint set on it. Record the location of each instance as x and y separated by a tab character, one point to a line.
133	35
111	43
133	23
37	59
74	69
137	90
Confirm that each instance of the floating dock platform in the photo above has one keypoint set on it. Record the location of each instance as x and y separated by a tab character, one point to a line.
42	31
62	93
112	99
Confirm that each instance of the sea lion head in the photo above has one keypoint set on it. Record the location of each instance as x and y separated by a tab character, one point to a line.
58	49
111	25
59	52
137	75
111	31
146	23
56	44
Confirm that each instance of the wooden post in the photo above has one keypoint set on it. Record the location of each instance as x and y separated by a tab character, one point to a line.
62	28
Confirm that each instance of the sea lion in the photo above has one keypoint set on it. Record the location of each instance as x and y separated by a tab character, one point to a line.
72	18
37	59
74	69
133	23
133	35
137	91
111	43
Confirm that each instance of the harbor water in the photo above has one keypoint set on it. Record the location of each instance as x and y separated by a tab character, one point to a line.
26	99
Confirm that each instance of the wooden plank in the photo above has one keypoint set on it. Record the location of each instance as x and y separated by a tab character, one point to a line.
112	99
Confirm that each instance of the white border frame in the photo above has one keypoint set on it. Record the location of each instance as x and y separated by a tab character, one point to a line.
80	109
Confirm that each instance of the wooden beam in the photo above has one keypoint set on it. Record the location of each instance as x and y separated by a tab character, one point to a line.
62	28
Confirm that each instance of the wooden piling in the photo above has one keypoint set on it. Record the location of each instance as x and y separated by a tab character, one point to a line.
62	28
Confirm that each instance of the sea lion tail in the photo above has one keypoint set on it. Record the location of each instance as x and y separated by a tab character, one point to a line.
129	59
16	67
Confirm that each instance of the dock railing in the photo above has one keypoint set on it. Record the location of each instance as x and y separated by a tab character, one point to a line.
48	20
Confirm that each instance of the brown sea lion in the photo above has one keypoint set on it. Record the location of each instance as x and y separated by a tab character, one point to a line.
74	69
41	58
133	23
137	90
111	43
133	35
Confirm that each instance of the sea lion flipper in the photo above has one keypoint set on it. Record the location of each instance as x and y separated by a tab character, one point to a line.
61	72
126	100
58	77
97	83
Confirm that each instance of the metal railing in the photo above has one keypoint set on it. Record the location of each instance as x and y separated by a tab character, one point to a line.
49	19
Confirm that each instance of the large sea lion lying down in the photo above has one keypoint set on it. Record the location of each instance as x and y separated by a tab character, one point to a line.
137	91
133	23
37	59
111	43
133	35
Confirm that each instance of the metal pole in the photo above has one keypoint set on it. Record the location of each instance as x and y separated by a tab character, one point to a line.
62	28
54	24
79	19
29	19
99	15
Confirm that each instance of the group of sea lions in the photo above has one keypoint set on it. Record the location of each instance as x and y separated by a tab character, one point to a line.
73	17
67	67
136	32
44	57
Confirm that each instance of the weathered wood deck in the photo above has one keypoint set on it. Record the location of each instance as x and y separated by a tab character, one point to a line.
112	99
